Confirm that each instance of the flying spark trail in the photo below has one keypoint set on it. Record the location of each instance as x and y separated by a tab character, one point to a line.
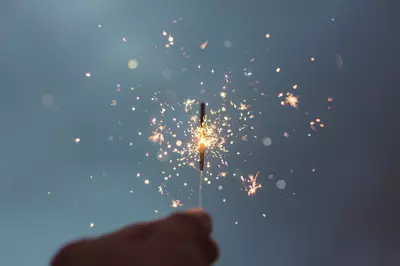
239	107
202	148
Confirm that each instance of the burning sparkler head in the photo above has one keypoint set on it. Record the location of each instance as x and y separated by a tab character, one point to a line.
202	144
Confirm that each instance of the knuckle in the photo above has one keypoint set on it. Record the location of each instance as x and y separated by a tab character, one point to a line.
68	254
190	222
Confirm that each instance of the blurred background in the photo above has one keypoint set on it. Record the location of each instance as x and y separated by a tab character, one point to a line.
83	85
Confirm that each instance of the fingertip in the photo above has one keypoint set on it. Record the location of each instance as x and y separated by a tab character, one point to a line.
196	211
203	216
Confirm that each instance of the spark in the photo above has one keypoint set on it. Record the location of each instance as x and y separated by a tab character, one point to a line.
176	204
243	107
133	63
188	104
204	45
216	135
212	135
292	100
250	184
315	123
157	136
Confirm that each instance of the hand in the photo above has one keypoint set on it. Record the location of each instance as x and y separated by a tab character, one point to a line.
181	239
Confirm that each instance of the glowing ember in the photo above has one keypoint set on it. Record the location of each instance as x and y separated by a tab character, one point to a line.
204	45
176	204
251	184
292	100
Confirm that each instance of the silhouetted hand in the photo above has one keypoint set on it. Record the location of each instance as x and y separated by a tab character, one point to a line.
181	239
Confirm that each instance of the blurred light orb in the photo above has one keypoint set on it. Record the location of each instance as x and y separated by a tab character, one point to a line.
281	184
166	73
227	44
133	63
47	100
339	61
146	182
267	141
162	156
178	143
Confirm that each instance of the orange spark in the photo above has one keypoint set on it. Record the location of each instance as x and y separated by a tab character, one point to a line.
292	100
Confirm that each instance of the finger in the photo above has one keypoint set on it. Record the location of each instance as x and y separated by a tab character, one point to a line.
209	249
201	220
203	216
192	222
76	253
191	232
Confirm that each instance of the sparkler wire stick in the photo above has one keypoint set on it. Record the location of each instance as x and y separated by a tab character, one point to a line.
202	147
201	190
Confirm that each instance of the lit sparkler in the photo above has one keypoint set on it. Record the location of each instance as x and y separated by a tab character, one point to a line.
202	147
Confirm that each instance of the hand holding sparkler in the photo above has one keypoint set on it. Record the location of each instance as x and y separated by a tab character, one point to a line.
183	238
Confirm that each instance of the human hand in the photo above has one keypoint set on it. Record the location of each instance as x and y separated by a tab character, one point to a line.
181	239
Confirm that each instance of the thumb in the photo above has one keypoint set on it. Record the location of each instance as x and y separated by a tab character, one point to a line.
202	216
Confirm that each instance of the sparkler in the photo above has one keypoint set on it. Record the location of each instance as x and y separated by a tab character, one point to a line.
202	147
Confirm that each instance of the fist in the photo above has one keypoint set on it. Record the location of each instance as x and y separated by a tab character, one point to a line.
181	239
